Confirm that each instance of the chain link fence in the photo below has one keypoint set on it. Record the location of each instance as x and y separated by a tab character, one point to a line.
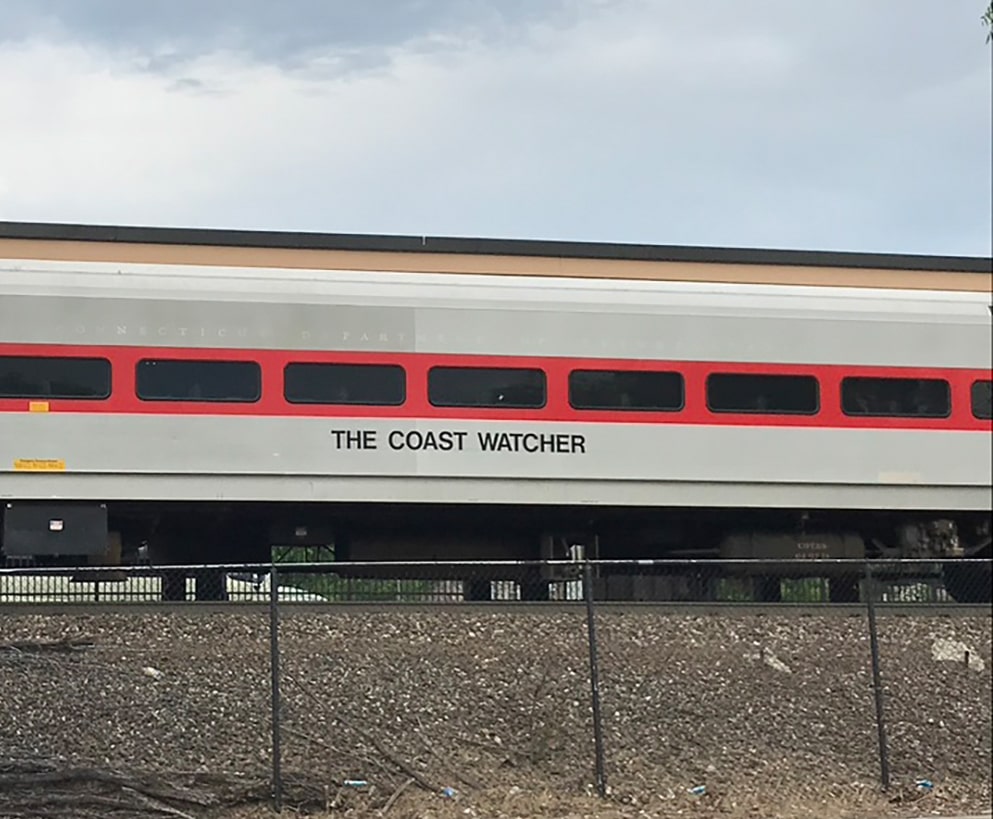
335	686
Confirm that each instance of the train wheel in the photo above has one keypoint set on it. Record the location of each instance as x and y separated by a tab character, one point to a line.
844	589
768	590
173	586
968	583
211	585
534	590
476	590
173	581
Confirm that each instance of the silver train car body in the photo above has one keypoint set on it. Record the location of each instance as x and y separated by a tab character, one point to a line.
255	457
198	482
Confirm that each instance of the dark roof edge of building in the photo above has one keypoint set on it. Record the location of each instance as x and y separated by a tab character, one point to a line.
217	237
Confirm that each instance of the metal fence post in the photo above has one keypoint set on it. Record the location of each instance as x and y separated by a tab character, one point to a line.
877	684
601	781
277	778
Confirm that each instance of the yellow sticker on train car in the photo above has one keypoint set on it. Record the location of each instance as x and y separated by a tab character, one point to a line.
39	465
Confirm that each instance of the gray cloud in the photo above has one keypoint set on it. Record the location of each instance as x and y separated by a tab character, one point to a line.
279	32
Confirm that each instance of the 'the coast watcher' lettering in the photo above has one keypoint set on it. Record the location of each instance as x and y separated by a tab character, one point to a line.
413	440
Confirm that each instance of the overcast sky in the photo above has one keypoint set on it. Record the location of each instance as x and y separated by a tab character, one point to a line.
847	124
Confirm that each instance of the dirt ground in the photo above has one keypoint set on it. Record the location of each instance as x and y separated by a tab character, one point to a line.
772	715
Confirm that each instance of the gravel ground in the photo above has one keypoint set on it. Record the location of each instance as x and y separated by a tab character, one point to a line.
772	714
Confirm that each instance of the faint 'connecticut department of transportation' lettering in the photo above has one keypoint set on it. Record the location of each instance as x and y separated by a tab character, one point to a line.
219	333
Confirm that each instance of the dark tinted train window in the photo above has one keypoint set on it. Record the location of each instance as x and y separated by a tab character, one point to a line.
623	390
37	377
767	394
486	387
165	380
367	384
982	399
896	397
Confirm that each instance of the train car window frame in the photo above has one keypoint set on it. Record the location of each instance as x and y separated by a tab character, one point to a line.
983	403
103	385
202	362
670	375
848	397
727	379
448	370
345	367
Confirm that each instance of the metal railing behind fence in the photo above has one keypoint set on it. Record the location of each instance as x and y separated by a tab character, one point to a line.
797	582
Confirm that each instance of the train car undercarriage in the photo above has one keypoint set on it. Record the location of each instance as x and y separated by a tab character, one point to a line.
182	534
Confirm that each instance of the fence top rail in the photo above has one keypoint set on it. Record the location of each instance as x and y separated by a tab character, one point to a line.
473	566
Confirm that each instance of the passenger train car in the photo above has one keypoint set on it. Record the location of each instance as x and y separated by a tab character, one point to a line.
209	394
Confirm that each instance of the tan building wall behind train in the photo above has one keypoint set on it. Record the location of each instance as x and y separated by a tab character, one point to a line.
456	263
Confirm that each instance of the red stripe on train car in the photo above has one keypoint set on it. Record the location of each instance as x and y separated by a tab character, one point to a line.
123	399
